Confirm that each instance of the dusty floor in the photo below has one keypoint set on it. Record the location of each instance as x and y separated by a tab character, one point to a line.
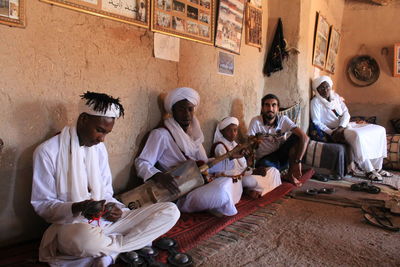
304	233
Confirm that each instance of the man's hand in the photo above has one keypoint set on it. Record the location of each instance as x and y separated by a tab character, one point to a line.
111	212
338	135
89	208
167	181
260	171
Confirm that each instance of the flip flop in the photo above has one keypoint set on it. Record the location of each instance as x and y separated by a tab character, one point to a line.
319	177
365	187
383	223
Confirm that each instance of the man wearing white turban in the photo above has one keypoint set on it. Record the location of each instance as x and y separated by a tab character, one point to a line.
180	139
329	113
70	174
257	182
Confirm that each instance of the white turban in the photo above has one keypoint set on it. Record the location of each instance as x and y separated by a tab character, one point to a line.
113	110
218	137
179	94
317	81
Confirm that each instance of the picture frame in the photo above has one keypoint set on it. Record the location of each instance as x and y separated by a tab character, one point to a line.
230	25
320	42
253	25
333	49
12	13
134	12
396	60
226	63
188	19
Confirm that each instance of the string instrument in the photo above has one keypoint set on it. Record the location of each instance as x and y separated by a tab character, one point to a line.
187	175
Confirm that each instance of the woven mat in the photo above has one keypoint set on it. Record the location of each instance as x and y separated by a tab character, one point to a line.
195	227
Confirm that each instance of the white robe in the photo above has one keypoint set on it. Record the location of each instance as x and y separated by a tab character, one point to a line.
160	148
367	141
71	241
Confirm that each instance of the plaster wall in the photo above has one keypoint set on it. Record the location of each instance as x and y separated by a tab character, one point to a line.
293	83
367	29
61	54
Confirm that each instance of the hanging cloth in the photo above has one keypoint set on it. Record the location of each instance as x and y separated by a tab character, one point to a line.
277	53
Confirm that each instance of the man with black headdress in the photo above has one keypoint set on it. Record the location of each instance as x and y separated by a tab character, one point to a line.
71	175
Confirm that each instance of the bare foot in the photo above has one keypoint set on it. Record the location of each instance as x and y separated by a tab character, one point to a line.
253	194
293	180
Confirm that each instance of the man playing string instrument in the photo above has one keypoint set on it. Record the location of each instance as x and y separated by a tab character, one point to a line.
70	174
277	149
179	140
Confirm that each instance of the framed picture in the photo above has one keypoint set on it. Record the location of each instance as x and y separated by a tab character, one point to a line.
320	42
135	12
188	19
253	25
226	63
333	48
12	12
396	61
230	24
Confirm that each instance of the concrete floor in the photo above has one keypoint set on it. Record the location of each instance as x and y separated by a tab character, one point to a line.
305	233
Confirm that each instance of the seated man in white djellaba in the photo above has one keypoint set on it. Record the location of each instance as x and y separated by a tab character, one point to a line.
367	141
180	139
234	171
72	190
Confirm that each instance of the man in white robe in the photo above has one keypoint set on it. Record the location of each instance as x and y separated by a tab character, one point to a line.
367	141
277	149
181	139
70	172
257	182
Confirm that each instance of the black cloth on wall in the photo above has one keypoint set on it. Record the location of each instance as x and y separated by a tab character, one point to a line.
277	52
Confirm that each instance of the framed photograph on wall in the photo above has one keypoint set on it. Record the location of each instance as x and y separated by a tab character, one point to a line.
229	25
189	19
135	12
396	61
226	63
12	12
320	42
253	25
333	49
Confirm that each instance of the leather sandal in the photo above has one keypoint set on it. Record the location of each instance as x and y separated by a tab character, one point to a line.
384	173
365	187
374	176
384	222
175	258
314	191
319	177
149	254
132	258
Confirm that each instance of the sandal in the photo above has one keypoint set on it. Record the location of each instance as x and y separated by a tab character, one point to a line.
314	191
149	254
374	176
384	173
319	177
132	258
175	258
384	222
365	187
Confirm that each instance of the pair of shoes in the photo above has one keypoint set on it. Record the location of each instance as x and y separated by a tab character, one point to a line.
374	176
132	258
314	191
384	173
365	187
376	216
319	177
175	258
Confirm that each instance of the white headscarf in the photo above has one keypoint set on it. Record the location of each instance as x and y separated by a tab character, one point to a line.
179	94
334	103
112	111
190	142
74	173
218	137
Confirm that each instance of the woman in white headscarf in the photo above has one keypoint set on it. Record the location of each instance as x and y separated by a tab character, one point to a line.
256	182
367	141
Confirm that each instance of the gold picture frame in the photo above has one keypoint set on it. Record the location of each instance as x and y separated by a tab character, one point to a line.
134	12
12	13
230	25
396	60
188	19
253	25
333	49
320	42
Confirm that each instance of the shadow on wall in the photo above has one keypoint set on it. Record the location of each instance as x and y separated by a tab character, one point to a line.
237	110
22	223
141	139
